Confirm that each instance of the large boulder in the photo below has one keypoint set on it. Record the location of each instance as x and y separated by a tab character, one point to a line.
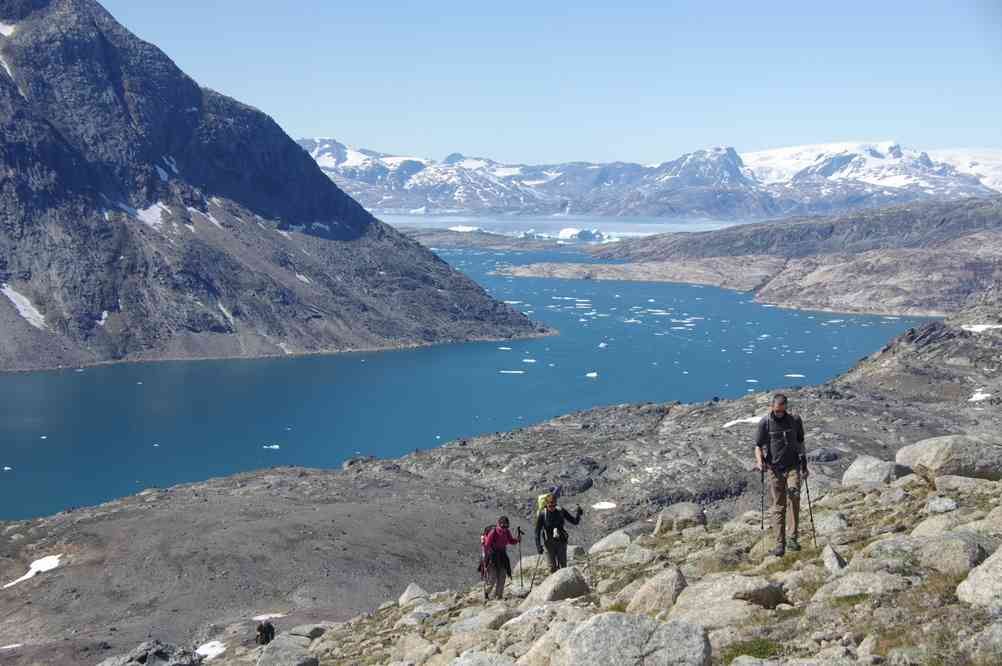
618	539
869	470
567	583
861	582
155	652
413	649
983	586
288	650
475	658
634	640
491	617
412	594
987	644
678	517
658	593
724	599
957	455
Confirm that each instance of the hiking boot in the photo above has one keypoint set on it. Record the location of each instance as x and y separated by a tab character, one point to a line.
793	544
778	551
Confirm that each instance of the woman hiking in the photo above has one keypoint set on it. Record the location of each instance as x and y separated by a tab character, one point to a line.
496	557
551	534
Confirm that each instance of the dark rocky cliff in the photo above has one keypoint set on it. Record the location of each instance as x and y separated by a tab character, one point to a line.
144	217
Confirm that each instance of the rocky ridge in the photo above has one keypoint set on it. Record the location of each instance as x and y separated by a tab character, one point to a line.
191	564
145	217
928	259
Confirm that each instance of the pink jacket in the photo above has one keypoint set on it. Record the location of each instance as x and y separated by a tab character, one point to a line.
498	539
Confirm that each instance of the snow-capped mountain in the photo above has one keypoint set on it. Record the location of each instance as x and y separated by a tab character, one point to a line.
715	183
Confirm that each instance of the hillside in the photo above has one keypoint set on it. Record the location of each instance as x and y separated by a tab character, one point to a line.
145	217
193	563
917	259
717	183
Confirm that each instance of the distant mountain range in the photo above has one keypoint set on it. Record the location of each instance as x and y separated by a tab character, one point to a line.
718	183
145	217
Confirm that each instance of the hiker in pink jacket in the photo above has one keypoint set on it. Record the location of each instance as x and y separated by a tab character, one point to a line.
496	562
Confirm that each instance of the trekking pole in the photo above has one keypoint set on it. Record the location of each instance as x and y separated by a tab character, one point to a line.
535	570
810	510
521	569
761	499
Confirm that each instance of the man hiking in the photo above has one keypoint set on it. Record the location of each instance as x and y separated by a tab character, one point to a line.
551	534
496	557
780	456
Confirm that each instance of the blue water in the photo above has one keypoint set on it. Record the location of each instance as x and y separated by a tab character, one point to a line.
77	438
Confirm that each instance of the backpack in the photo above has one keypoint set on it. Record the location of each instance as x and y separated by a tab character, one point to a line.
541	502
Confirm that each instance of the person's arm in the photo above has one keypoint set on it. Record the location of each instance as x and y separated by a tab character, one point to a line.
761	441
571	518
510	538
539	533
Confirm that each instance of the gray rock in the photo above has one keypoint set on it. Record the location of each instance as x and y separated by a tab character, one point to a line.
940	505
490	618
986	645
634	640
867	469
983	585
413	649
658	593
833	562
957	455
724	599
635	554
311	631
937	524
618	539
954	553
827	523
413	593
855	583
477	658
287	650
678	517
567	583
155	653
949	483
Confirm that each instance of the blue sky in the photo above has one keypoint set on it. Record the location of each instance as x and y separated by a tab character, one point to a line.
636	81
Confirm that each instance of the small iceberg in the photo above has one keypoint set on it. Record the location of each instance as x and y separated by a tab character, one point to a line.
592	375
271	447
794	375
8	469
504	348
528	360
602	345
511	372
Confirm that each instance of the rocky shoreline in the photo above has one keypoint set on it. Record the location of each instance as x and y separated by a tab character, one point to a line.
184	564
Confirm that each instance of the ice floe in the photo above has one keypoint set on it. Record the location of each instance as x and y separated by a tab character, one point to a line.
794	375
504	348
38	566
8	469
211	650
528	360
750	419
511	372
603	345
592	375
980	328
272	447
24	307
603	506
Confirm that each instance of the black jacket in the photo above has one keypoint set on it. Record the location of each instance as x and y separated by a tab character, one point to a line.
549	523
781	441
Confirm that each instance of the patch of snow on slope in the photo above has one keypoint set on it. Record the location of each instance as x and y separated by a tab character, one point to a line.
507	172
25	307
268	616
10	72
211	650
302	278
227	314
12	646
38	566
7	29
160	172
152	216
464	229
750	419
779	165
394	162
104	319
980	328
984	164
979	395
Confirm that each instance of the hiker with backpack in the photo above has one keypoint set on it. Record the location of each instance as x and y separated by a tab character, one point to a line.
551	534
495	565
780	456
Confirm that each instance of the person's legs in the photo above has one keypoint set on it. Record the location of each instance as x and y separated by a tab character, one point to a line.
793	491
561	555
777	488
499	579
551	556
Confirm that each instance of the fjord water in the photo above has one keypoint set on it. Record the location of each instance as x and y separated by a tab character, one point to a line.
72	438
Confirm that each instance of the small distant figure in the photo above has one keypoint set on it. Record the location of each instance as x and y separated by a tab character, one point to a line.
551	534
780	455
265	633
496	564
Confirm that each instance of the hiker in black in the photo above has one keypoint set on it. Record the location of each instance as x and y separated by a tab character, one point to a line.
550	532
780	454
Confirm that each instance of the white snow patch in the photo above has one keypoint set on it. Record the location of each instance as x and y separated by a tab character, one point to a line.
511	372
10	72
750	419
302	278
284	347
7	29
171	163
751	381
979	395
160	172
152	216
38	566
464	229
25	307
284	233
592	375
980	328
211	650
104	319
603	506
268	616
227	314
12	646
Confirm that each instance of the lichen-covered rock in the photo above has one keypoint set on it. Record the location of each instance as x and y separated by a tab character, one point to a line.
634	640
658	593
869	470
861	582
476	658
719	600
412	594
983	585
957	455
288	650
833	562
678	517
155	652
566	583
618	539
